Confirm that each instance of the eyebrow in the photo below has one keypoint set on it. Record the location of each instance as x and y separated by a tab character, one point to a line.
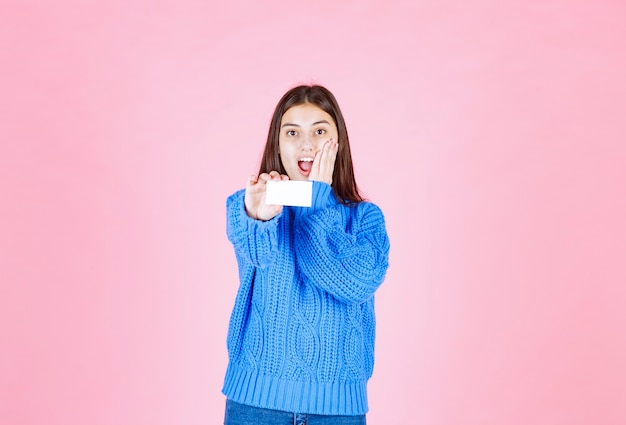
288	124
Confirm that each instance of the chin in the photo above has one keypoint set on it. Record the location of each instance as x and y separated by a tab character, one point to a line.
297	177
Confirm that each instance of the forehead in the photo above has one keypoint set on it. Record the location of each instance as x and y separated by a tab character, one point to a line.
305	114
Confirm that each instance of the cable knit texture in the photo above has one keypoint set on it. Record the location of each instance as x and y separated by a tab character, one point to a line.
301	334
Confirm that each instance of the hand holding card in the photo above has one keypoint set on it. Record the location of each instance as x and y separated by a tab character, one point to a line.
255	202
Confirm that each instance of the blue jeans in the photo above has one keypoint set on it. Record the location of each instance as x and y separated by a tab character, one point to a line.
241	414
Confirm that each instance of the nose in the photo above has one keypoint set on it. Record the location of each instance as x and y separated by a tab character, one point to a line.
307	143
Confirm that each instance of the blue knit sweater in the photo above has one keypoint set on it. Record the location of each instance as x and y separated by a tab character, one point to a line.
301	334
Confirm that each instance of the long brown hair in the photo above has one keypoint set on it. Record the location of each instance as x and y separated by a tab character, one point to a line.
344	184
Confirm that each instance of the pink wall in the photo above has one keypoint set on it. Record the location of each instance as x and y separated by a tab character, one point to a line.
490	132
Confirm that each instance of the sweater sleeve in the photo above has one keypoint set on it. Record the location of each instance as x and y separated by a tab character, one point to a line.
255	241
349	261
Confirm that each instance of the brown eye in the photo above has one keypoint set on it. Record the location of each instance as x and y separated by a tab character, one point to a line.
320	131
291	132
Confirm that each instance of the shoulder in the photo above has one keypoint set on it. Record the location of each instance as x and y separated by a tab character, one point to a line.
366	208
361	216
367	217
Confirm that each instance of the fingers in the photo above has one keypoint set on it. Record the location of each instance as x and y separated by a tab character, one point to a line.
252	181
254	199
329	153
331	148
275	175
324	162
263	178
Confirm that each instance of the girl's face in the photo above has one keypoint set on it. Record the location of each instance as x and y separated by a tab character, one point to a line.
303	131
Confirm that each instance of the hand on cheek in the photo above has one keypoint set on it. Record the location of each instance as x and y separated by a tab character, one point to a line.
324	162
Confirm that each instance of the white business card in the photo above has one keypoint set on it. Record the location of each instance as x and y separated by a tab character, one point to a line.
289	192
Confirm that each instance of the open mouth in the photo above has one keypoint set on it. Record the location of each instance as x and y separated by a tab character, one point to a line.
305	165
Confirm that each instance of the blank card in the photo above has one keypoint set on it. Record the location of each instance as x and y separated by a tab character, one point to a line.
289	192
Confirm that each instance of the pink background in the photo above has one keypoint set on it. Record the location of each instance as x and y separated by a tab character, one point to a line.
490	132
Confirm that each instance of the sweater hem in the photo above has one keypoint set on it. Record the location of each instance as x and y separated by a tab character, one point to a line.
318	398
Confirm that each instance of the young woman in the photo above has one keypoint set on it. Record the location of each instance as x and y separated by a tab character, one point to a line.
301	334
